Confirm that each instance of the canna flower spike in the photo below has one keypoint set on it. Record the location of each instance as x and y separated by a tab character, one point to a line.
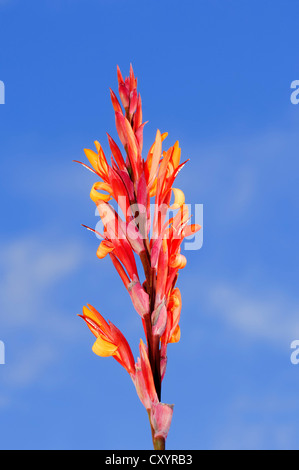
132	182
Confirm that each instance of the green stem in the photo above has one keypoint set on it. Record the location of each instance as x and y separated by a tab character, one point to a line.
159	441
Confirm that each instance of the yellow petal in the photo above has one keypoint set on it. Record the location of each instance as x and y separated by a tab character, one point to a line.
89	313
105	247
179	198
176	336
96	317
102	162
92	157
177	261
174	300
176	156
104	348
96	196
98	146
153	189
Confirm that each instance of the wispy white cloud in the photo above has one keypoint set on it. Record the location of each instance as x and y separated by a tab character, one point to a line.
239	435
239	178
30	267
234	172
270	316
269	426
29	365
4	401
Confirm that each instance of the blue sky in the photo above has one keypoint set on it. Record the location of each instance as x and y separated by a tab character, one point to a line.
216	75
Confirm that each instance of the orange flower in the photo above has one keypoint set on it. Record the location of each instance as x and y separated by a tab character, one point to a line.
110	341
131	182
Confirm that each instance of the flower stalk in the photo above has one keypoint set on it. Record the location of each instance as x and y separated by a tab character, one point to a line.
130	182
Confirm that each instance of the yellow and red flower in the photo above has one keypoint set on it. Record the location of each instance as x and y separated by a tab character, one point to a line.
110	341
132	182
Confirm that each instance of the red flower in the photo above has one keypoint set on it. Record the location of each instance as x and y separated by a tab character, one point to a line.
131	182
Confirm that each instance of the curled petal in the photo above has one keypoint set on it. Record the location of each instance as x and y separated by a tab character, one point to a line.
177	261
105	247
96	196
104	348
179	198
